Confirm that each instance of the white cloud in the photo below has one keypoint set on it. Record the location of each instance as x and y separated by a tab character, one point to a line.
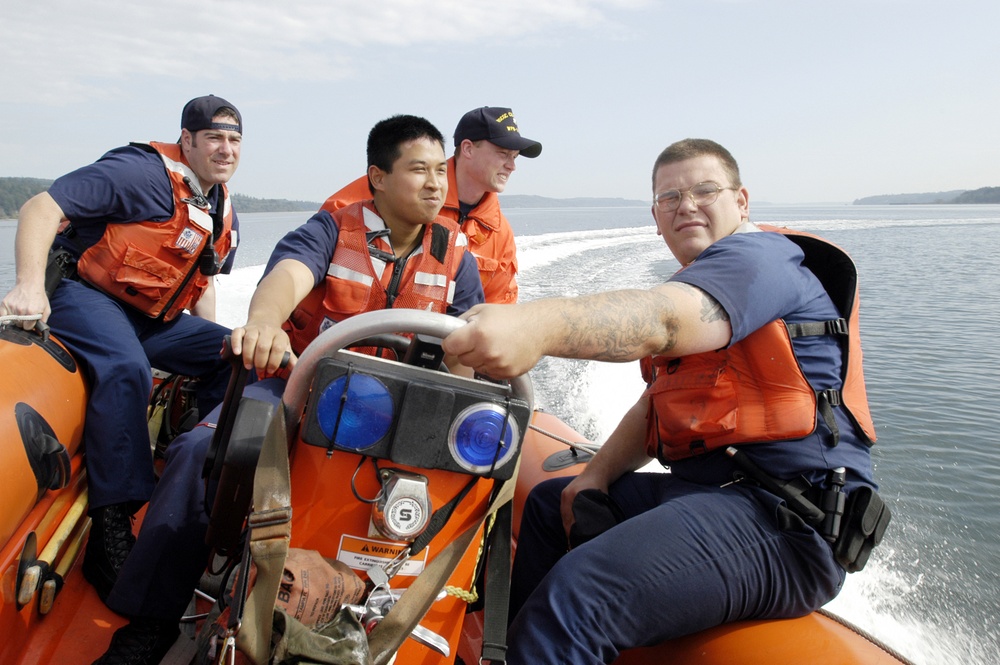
60	51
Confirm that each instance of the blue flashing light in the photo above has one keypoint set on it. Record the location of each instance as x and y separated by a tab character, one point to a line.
366	416
475	435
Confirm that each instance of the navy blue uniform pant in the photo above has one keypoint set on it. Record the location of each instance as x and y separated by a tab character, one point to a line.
163	568
687	557
115	347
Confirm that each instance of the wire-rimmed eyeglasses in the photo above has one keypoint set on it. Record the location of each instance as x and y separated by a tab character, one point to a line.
703	194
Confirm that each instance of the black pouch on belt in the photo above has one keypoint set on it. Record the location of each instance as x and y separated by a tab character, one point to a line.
594	512
60	264
865	520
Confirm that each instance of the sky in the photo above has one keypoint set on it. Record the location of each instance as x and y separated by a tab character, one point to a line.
820	102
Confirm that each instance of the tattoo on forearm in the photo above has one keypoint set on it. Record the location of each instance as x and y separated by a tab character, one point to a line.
619	326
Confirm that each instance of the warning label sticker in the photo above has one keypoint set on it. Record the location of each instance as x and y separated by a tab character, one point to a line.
364	553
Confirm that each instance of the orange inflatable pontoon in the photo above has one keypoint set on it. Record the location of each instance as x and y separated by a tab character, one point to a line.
376	450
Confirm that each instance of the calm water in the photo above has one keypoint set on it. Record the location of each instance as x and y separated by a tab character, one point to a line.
930	298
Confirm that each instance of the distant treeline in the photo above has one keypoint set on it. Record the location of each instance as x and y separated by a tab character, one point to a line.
15	191
981	195
244	203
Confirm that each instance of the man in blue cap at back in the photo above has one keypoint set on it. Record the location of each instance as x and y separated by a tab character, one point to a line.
131	245
487	143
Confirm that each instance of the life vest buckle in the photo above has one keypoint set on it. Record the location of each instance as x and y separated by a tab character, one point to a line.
836	326
832	396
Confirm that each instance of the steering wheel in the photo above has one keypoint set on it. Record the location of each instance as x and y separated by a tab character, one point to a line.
366	325
236	476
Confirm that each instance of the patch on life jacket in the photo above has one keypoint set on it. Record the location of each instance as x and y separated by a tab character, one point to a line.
188	241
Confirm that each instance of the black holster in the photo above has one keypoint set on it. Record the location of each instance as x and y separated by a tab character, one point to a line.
61	264
865	520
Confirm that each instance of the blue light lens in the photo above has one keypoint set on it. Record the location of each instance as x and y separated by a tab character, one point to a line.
476	434
366	416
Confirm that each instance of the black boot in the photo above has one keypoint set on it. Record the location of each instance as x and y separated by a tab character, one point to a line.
111	539
140	642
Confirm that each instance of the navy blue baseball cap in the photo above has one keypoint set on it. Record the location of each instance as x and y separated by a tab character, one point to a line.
496	125
198	114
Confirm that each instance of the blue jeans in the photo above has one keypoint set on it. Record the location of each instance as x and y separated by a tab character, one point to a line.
686	558
115	347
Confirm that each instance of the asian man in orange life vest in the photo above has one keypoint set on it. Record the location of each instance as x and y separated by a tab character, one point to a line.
487	144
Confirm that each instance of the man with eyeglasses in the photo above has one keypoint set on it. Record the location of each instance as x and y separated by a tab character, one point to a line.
749	356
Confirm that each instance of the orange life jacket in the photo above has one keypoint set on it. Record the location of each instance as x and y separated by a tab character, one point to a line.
491	241
364	275
491	238
755	390
154	266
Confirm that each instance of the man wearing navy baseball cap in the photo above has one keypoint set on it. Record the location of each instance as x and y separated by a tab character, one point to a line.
211	112
487	141
119	258
498	126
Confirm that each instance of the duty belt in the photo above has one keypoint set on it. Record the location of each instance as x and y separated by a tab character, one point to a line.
854	524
